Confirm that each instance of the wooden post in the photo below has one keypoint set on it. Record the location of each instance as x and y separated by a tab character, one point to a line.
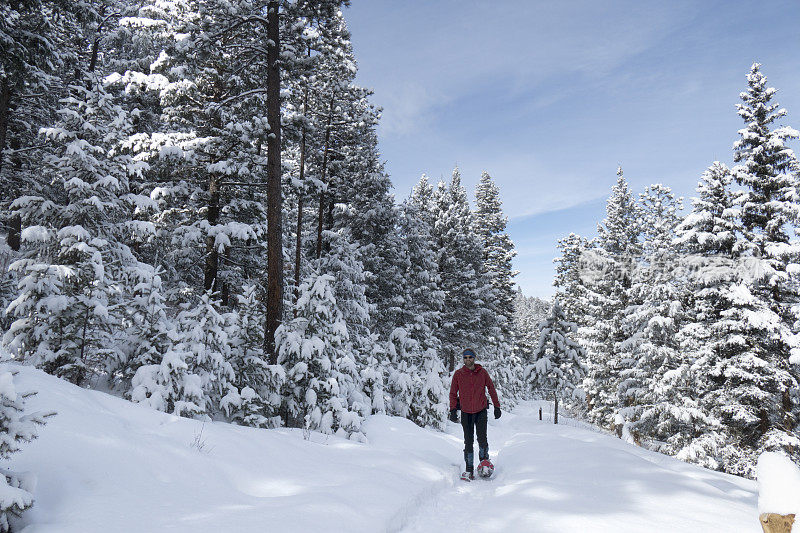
776	523
540	413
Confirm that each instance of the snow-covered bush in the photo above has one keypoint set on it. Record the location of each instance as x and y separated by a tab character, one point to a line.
309	347
253	399
16	428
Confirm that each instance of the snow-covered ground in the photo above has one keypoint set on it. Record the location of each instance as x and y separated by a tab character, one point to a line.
105	464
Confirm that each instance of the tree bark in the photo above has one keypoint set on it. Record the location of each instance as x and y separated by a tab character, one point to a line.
15	222
211	267
274	233
5	101
298	253
555	410
321	214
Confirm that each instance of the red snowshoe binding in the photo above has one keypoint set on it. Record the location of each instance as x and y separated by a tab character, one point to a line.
485	468
467	476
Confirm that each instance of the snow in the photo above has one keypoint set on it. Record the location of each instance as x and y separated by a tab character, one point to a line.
105	464
778	484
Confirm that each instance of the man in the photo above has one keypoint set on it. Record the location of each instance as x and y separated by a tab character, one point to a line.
467	390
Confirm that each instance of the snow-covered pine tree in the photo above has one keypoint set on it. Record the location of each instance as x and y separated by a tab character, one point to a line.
770	205
16	428
558	366
253	399
41	42
767	166
206	149
402	380
74	258
424	301
657	395
569	280
461	271
168	385
147	324
195	374
529	312
430	404
424	298
342	261
709	239
614	252
498	253
205	334
309	346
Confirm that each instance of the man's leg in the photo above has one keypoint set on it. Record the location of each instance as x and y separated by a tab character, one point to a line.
468	424
480	426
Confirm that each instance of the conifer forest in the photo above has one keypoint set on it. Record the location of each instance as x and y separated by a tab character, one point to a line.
196	218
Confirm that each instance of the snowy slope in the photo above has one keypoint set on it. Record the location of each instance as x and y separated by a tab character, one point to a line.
108	465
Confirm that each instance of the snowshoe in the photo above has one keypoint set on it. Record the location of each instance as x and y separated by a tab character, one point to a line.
467	476
485	468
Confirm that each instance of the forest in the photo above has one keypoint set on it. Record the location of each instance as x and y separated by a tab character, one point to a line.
197	218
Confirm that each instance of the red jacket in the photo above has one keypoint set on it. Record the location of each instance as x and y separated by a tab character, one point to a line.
469	386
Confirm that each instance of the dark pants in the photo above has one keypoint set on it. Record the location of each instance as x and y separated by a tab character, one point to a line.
471	422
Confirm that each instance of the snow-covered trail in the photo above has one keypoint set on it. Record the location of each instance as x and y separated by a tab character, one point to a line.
567	478
105	464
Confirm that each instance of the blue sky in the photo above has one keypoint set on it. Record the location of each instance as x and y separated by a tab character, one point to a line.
550	97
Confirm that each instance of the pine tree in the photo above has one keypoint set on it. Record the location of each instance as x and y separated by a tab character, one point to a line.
254	397
205	334
461	270
147	324
558	366
310	346
74	259
610	265
16	429
498	253
657	394
767	166
570	282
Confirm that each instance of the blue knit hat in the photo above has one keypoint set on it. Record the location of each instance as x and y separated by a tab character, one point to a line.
468	352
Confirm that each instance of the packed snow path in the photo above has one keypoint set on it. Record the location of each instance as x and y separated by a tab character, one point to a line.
569	478
105	464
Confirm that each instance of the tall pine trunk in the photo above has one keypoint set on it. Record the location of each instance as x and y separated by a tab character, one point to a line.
299	243
274	233
15	222
555	408
211	266
325	151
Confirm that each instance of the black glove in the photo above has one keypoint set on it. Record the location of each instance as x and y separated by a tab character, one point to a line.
453	416
497	412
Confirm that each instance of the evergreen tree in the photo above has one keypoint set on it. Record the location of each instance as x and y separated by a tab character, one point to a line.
254	397
614	252
461	270
16	429
573	279
657	392
68	305
147	324
498	252
767	167
309	347
558	364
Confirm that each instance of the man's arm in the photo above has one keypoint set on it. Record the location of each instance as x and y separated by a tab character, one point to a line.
454	392
492	391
